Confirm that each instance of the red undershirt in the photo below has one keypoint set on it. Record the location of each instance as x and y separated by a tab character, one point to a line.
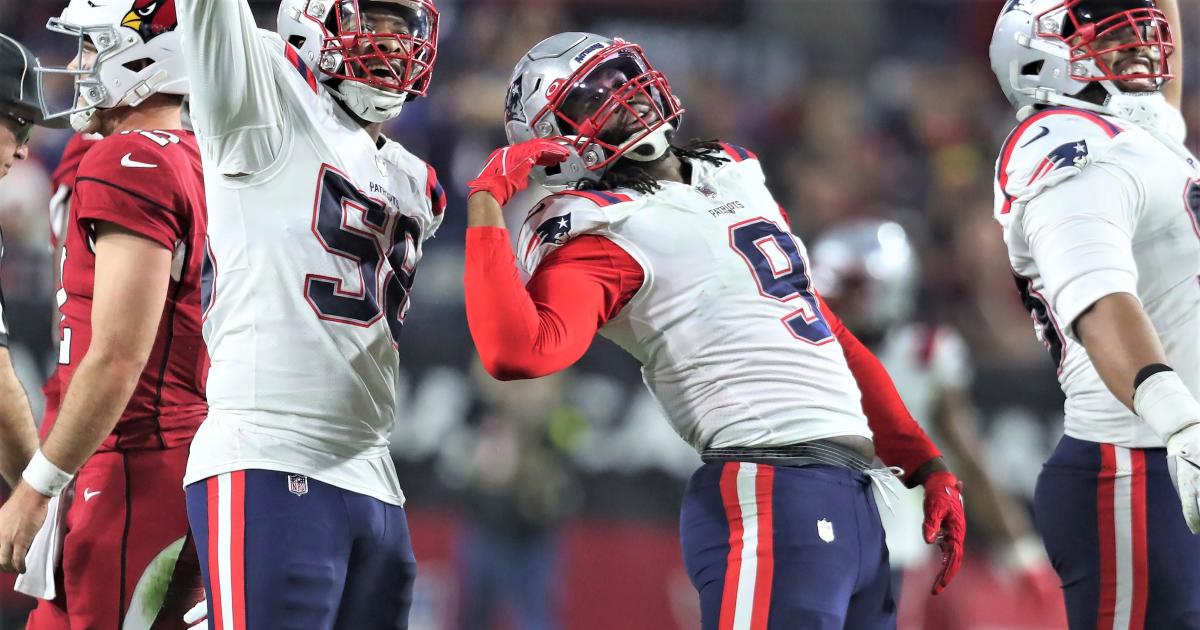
527	331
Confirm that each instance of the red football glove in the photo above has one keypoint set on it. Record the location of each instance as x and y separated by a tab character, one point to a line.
945	523
507	170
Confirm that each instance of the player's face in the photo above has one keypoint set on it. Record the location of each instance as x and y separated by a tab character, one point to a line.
1124	59
593	92
86	60
382	22
14	141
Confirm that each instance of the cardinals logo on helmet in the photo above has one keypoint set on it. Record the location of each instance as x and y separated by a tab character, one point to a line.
151	18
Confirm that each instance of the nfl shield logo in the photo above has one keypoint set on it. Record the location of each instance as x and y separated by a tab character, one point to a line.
298	485
707	191
825	530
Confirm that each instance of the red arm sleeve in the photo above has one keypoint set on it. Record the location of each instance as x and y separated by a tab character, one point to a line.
527	331
899	440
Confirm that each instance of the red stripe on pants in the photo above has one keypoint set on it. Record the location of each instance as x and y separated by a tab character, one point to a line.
763	484
1105	511
237	546
214	552
733	566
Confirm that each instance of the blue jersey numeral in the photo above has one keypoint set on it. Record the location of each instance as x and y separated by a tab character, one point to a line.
781	273
383	250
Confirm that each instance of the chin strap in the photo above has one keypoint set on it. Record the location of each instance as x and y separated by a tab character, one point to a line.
652	147
85	121
370	104
1150	110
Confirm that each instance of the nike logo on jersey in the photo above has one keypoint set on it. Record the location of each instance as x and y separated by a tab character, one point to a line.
1044	132
88	493
129	162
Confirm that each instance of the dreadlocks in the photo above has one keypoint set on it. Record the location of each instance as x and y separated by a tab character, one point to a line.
630	174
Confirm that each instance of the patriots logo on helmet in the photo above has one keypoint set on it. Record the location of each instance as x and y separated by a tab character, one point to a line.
151	18
512	103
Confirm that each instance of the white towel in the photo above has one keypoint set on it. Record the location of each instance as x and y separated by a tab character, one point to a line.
42	558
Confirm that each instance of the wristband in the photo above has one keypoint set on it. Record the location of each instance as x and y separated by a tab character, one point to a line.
1147	372
1166	404
42	475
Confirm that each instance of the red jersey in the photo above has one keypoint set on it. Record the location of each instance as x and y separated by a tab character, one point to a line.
149	182
62	184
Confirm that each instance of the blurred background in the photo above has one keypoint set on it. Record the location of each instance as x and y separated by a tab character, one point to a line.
554	503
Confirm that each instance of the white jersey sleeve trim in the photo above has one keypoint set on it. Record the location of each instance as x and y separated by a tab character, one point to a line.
235	101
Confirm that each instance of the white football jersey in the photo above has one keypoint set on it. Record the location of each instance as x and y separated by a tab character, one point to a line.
1093	205
726	326
924	361
315	232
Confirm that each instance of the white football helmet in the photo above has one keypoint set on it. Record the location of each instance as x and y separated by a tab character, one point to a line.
137	55
571	85
1047	52
874	261
331	35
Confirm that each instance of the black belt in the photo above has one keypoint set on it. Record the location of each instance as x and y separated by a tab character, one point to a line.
815	452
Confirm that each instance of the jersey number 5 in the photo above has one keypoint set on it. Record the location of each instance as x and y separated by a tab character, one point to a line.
781	273
381	248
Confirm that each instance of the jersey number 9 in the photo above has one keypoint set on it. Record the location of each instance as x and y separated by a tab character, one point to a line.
779	267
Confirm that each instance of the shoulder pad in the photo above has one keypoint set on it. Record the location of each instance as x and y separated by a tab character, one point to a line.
559	218
132	155
293	58
425	178
737	153
1048	147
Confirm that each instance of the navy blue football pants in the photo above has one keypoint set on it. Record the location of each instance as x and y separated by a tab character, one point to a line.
1114	531
786	548
287	552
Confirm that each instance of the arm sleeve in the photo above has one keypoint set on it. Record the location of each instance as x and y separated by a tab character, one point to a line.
1080	234
235	101
530	331
899	441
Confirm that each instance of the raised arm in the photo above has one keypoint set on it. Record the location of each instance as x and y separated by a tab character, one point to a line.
235	102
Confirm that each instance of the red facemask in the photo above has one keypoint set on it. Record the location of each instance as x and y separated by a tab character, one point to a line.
614	101
400	62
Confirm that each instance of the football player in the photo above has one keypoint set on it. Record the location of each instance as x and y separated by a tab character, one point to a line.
132	361
1097	197
20	110
867	271
682	256
316	227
